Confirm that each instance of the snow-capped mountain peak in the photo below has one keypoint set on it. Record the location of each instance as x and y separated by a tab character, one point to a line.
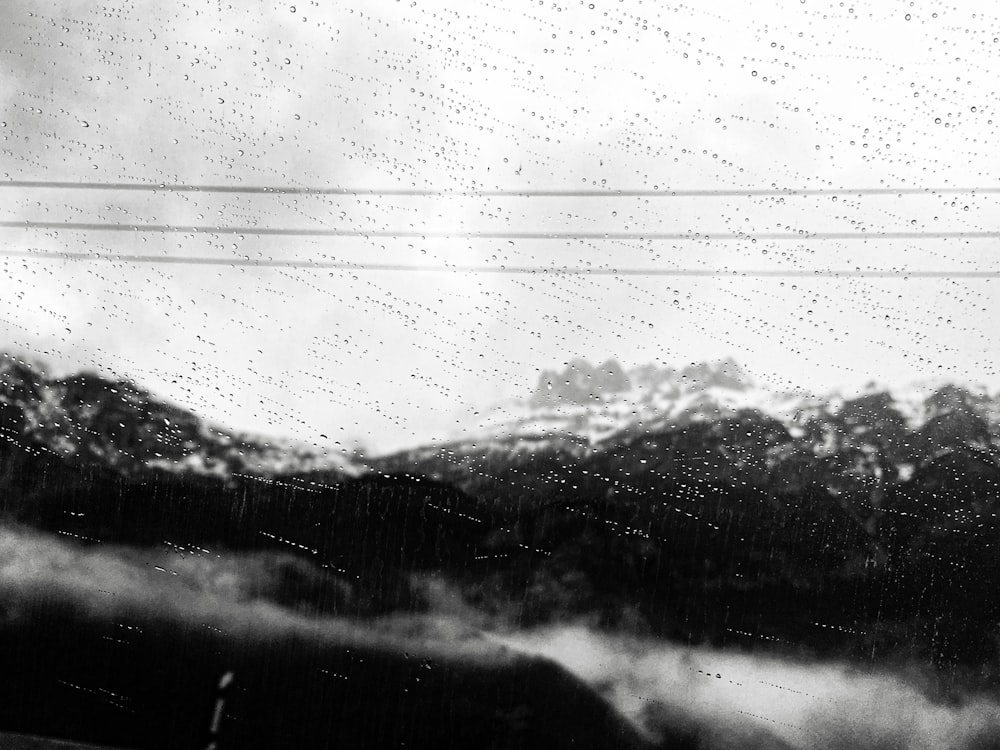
590	404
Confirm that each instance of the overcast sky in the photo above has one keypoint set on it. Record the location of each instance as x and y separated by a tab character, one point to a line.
509	95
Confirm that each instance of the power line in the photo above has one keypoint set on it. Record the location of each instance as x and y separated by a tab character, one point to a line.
494	235
497	269
496	193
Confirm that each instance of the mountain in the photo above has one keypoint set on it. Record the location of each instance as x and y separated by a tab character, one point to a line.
586	405
90	418
646	422
580	383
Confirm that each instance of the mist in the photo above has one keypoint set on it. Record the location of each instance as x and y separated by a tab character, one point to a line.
732	699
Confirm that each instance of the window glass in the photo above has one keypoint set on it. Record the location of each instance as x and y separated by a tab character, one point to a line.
507	374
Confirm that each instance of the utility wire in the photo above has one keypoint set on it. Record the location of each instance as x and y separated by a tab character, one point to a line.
495	193
496	269
494	235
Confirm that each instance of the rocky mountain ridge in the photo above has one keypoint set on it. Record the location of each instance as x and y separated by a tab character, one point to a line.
588	405
89	418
